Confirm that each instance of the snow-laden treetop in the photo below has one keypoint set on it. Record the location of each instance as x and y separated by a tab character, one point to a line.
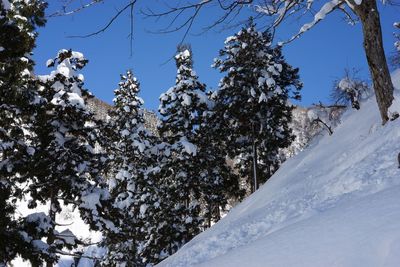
68	63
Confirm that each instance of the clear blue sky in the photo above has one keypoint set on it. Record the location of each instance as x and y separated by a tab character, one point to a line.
321	54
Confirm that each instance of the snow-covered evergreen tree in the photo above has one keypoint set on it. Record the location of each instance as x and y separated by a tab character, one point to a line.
162	226
18	21
219	182
182	108
252	104
133	191
65	168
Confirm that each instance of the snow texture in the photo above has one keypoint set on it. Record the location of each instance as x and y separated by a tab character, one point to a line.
189	147
334	204
395	107
320	15
67	68
6	4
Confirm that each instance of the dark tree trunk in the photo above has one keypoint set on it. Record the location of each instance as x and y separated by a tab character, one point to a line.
52	214
217	213
255	163
269	170
255	178
210	211
368	13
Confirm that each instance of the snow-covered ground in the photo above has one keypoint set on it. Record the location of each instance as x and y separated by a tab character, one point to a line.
337	203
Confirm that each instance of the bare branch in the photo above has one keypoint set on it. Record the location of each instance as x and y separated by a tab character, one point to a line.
349	17
320	105
317	18
76	255
112	20
64	11
232	9
318	120
64	224
188	12
131	32
173	10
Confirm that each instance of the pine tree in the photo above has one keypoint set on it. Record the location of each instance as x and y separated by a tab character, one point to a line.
132	189
65	168
252	106
219	183
18	21
161	229
181	108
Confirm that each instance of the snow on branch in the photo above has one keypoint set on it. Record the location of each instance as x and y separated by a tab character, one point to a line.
291	7
397	36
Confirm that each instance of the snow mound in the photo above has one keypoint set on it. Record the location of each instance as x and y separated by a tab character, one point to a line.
335	204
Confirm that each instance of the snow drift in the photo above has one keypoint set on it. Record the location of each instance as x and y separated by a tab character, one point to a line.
337	203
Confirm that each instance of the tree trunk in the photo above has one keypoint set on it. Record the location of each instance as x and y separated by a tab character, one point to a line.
210	211
52	215
269	174
217	213
373	44
255	180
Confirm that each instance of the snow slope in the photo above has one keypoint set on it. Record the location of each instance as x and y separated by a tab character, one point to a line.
337	203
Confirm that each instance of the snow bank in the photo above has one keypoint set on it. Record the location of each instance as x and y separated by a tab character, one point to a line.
335	204
358	232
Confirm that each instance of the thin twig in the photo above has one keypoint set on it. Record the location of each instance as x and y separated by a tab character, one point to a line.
112	20
67	13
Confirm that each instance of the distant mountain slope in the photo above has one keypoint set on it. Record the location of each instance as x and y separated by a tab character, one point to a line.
101	109
304	128
337	203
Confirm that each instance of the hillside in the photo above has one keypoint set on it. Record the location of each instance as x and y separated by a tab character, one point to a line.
303	194
101	109
334	204
303	127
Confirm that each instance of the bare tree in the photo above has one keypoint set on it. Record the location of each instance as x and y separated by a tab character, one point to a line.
367	11
349	89
182	16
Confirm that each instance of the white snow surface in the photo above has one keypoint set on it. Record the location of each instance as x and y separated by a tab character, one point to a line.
337	203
